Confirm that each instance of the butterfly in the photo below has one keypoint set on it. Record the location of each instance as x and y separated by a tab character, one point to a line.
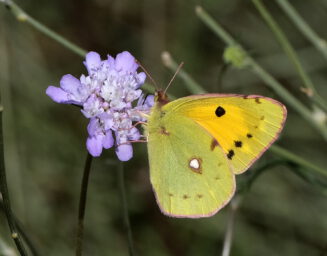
197	144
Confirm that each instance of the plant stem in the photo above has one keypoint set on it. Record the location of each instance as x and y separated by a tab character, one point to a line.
298	160
301	24
290	52
25	237
127	223
22	16
234	205
15	234
265	76
82	204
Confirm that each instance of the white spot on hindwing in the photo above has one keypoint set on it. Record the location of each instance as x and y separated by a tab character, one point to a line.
194	163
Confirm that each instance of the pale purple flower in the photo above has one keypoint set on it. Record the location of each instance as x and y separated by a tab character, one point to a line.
106	97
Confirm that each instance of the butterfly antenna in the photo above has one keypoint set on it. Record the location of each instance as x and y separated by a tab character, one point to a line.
172	79
147	73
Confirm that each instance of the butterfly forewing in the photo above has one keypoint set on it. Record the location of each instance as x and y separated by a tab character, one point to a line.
243	126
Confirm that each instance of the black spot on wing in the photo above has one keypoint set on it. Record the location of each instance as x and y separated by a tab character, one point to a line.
230	154
249	135
220	111
238	143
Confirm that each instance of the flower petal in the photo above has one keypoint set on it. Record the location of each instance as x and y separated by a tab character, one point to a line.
134	134
140	79
111	62
57	94
92	61
70	84
92	107
125	62
93	127
149	101
124	152
94	145
108	140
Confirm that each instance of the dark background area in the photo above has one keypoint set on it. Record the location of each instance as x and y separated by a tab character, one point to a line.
282	214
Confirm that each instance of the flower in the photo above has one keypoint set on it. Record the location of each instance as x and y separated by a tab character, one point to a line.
106	97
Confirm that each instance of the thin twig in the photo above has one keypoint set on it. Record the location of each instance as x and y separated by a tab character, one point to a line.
15	234
234	205
263	74
303	26
82	204
291	53
298	160
22	16
22	231
127	223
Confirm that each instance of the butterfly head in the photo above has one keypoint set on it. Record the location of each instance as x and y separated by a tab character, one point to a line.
161	97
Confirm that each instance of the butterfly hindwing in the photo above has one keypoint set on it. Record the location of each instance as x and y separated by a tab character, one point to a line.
189	178
243	126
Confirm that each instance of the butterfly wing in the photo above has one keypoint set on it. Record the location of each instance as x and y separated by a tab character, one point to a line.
243	126
189	179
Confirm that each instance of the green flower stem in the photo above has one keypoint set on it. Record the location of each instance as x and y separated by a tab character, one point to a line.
274	148
15	234
122	188
82	204
307	31
298	160
289	50
20	228
265	76
234	206
22	16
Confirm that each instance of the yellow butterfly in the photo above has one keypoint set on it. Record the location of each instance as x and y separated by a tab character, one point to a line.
197	144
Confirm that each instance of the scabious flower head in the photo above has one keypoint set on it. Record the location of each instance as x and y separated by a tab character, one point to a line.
105	96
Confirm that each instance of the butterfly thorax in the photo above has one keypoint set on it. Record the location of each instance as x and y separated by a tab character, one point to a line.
156	121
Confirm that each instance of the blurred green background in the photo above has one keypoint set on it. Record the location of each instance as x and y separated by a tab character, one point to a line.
282	214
